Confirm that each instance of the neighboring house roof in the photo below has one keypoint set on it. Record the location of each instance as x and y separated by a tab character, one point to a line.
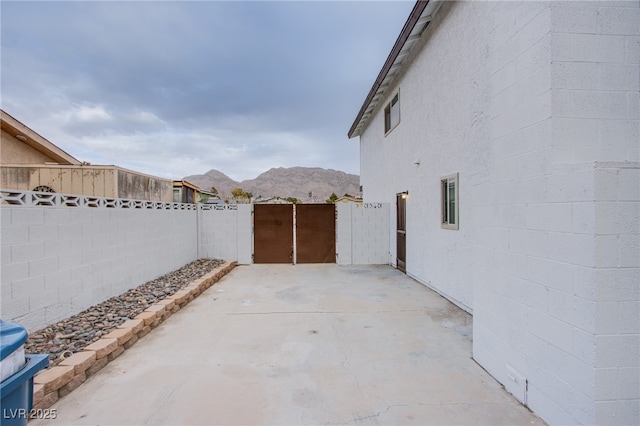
26	135
178	183
418	20
214	200
349	199
271	200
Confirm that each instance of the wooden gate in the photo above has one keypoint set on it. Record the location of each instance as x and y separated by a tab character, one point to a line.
273	233
315	233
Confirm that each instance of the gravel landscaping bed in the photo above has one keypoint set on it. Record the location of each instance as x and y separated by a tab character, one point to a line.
62	339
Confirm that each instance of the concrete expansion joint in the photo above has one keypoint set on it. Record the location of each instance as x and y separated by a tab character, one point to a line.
54	383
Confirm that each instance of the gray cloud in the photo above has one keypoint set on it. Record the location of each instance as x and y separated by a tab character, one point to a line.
177	88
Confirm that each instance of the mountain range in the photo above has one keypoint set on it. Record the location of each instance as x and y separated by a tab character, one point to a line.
296	182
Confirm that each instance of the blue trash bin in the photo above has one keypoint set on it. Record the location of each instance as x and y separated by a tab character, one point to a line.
16	387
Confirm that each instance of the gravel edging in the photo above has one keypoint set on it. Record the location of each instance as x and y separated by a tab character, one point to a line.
66	337
72	369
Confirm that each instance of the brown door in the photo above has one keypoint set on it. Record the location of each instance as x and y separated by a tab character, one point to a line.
315	233
401	231
273	233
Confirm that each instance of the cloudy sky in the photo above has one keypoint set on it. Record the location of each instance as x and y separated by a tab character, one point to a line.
178	88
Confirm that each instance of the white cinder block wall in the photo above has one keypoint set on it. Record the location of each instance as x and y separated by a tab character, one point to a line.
535	105
57	261
616	282
362	234
597	90
555	296
527	247
227	234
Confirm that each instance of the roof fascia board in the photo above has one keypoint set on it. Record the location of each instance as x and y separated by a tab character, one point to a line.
186	183
407	34
34	140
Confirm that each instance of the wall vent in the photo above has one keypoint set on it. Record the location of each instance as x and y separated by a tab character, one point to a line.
516	384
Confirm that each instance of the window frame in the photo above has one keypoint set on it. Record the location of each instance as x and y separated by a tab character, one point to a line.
445	201
388	113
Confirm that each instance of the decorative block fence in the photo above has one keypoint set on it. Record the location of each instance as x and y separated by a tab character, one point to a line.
61	254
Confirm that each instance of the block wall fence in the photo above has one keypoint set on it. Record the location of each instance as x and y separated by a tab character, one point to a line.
362	234
61	254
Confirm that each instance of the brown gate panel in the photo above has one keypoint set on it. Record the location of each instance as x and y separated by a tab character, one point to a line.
273	233
316	233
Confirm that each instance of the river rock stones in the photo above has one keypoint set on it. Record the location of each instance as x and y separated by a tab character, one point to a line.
73	334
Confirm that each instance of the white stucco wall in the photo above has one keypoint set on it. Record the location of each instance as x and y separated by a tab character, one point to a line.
535	105
442	109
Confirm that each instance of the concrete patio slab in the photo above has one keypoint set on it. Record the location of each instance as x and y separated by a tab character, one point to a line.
301	345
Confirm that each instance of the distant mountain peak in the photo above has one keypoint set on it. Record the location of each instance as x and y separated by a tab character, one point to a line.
296	182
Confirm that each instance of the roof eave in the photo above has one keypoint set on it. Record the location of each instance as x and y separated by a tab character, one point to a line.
408	36
34	140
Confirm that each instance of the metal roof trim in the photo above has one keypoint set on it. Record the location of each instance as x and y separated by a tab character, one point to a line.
411	31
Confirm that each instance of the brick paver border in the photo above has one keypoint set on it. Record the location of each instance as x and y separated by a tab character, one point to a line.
57	382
